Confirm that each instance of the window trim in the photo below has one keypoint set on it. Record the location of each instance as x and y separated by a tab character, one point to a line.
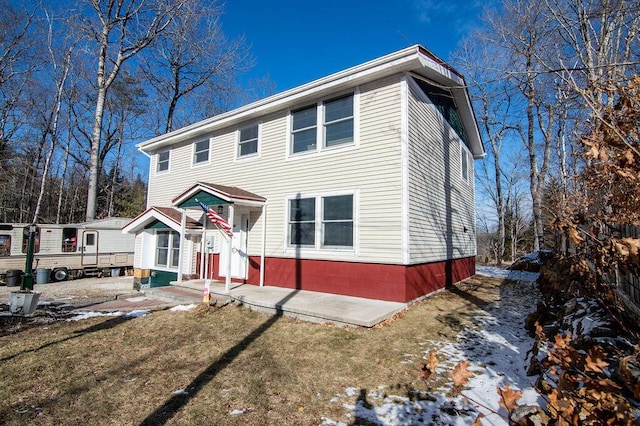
194	153
158	171
318	246
258	142
320	126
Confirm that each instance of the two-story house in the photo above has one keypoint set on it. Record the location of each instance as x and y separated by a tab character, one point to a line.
359	183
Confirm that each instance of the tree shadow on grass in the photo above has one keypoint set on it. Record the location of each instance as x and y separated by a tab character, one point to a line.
178	400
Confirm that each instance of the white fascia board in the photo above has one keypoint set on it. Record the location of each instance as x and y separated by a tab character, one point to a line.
148	218
411	58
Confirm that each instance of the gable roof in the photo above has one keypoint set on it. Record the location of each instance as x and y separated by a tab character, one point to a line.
221	193
166	215
415	59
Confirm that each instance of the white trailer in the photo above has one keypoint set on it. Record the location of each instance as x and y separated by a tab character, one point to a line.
70	250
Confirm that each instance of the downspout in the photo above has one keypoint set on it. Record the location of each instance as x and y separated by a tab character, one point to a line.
264	243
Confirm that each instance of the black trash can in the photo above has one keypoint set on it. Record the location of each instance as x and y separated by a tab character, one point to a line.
13	277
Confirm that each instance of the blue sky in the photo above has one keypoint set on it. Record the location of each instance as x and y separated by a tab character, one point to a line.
294	42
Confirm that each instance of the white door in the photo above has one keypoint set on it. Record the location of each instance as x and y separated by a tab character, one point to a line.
90	248
239	256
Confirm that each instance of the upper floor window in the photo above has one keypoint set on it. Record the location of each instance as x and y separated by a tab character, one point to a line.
338	121
201	152
464	162
163	161
248	141
337	125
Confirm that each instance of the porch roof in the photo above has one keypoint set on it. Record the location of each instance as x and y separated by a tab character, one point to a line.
166	215
214	194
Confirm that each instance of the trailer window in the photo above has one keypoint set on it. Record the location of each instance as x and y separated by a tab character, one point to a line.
69	240
90	239
25	240
5	245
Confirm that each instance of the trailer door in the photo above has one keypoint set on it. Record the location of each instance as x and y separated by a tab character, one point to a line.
89	248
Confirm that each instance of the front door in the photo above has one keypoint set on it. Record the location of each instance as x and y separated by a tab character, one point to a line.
89	247
239	256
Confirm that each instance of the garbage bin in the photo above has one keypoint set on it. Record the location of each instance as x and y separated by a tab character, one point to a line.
115	272
13	277
42	275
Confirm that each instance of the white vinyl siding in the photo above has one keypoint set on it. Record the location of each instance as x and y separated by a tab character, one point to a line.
441	204
373	166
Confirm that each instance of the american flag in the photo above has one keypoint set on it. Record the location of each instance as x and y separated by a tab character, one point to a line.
216	219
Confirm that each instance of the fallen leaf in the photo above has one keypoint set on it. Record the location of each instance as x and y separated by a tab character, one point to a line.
594	361
461	373
509	397
432	360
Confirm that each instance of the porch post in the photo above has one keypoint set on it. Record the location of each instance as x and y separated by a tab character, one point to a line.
183	226
204	256
264	243
227	280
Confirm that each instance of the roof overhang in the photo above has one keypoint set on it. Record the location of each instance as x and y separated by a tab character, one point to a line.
168	216
214	194
415	58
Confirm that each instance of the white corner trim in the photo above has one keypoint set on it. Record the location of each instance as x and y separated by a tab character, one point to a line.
404	144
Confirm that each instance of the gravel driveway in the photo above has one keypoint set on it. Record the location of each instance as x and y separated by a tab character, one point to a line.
79	292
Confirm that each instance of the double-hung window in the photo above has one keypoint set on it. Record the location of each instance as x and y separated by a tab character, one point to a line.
325	125
163	161
201	152
167	249
248	141
321	222
304	131
338	121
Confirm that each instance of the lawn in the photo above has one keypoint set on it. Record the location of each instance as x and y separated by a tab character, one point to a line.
227	365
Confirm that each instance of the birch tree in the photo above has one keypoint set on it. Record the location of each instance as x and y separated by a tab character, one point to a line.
119	30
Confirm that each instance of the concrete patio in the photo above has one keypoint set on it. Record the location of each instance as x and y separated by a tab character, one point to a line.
306	305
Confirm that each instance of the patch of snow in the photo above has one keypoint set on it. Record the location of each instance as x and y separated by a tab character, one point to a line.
137	313
79	315
183	308
237	412
496	346
180	392
494	271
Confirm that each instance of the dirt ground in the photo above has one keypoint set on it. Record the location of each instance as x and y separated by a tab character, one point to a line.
78	292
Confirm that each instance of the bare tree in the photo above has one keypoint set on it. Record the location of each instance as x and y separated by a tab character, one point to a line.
119	29
193	56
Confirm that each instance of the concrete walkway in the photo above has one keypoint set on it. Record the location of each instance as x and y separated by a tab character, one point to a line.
306	305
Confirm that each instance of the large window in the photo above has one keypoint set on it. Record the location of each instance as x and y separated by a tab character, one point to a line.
163	161
201	152
167	249
337	125
248	141
321	222
5	245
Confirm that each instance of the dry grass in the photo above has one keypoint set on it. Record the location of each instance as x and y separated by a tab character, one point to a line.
281	371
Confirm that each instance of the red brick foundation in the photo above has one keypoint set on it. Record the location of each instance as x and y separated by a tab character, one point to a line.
396	283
